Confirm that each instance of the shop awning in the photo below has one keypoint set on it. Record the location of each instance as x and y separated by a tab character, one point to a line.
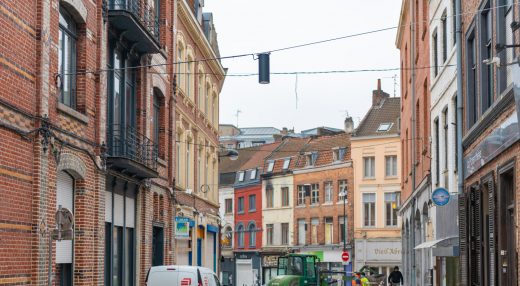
439	242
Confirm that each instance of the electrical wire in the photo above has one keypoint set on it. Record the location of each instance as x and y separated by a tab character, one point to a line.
289	47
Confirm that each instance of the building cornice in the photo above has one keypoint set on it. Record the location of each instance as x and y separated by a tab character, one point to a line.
400	28
196	32
360	138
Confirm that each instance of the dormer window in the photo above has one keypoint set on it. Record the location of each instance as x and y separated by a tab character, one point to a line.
383	127
270	166
338	154
253	174
286	163
241	176
310	158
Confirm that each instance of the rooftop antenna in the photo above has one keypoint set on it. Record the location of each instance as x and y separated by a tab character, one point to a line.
395	84
236	114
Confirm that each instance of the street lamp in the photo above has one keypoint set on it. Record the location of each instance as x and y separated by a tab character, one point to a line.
231	153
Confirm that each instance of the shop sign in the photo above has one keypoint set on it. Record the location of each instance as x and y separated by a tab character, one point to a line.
500	139
378	251
440	197
270	261
516	89
182	228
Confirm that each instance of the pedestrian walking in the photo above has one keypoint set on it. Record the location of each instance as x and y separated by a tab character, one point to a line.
396	277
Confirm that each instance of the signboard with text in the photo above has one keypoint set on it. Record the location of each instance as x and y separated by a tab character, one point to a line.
182	228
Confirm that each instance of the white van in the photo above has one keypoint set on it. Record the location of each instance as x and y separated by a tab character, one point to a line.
181	275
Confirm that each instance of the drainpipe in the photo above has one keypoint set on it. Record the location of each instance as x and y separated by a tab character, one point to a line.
460	170
412	60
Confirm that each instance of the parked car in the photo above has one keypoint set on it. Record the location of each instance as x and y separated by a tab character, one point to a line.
181	275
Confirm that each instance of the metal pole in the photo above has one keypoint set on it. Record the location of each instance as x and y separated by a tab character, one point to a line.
49	281
414	134
344	221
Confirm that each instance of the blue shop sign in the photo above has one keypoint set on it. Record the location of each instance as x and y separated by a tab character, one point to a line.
440	197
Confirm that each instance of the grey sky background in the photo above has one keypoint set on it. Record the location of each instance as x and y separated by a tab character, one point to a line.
246	26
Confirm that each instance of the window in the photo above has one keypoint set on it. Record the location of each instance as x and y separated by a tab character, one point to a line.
200	93
253	174
453	22
369	167
310	158
180	59
178	161
286	163
157	118
302	232
240	205
206	100
437	155
455	132
391	204
67	59
471	71
269	234
188	166
342	189
270	166
487	78
315	194
504	36
444	36
301	195
384	127
329	230
252	203
269	197
229	206
435	54
252	234
314	230
227	237
285	196
240	235
391	166
189	66
241	176
338	154
445	137
328	192
343	222
285	233
369	209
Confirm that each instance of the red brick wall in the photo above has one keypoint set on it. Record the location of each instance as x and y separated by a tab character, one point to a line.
421	57
322	211
248	216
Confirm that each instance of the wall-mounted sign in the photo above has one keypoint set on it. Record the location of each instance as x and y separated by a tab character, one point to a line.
440	197
500	139
182	228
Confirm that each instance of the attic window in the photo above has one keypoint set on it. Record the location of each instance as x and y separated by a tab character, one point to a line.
270	167
286	163
384	127
253	174
310	158
338	154
241	176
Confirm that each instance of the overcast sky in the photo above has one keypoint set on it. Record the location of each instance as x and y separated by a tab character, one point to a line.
247	26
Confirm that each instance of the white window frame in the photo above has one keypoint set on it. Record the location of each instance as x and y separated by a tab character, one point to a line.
253	174
371	205
241	176
371	160
315	194
286	163
301	195
392	172
270	165
329	192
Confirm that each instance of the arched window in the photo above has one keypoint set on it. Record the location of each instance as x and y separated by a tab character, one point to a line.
180	65
240	235
189	77
227	240
252	234
206	102
200	91
214	107
67	59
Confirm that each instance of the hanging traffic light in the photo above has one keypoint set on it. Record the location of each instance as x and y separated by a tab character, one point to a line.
263	68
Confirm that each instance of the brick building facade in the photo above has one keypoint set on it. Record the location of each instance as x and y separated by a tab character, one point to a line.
321	174
83	125
413	41
489	207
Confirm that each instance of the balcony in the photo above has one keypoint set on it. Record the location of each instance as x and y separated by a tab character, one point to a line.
131	153
137	22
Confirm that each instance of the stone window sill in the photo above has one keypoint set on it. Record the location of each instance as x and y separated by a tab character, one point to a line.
72	113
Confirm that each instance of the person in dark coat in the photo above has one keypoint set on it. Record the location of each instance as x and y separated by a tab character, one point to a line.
396	277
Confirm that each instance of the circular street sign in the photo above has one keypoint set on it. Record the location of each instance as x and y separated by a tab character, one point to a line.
440	197
345	256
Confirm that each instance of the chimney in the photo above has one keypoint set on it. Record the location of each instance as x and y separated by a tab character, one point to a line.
349	125
284	131
379	95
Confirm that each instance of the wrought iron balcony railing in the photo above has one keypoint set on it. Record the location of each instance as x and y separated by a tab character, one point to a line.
126	143
142	14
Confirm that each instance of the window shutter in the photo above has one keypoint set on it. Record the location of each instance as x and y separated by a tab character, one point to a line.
463	240
475	236
491	246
